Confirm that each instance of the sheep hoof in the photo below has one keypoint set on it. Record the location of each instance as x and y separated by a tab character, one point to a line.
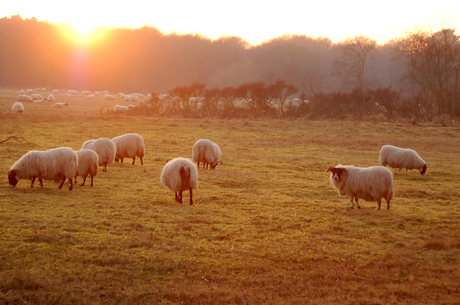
82	183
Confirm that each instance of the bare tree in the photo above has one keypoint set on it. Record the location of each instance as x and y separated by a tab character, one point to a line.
281	91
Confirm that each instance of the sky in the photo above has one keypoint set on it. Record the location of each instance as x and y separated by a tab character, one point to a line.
253	21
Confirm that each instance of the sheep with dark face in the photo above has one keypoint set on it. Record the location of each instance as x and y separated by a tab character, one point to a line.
396	157
180	174
54	164
371	184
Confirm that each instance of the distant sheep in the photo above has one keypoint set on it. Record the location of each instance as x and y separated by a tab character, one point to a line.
88	163
18	107
37	96
396	157
105	148
120	109
129	145
370	184
39	101
128	98
24	98
54	164
207	152
131	107
90	96
108	97
60	105
180	174
51	98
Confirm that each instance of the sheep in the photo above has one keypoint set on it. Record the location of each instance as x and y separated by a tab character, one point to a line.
120	109
22	92
131	107
90	96
128	98
105	148
24	98
51	98
39	101
371	184
180	174
130	145
88	163
207	152
396	157
135	98
60	105
54	164
18	107
108	97
37	96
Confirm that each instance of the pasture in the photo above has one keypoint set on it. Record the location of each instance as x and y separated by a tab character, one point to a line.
266	227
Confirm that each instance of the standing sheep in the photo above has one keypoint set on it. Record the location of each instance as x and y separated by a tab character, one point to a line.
120	109
396	157
24	98
105	148
18	107
180	174
50	98
206	152
88	162
370	184
37	96
130	145
54	164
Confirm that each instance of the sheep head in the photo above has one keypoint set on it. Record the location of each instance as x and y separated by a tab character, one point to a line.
12	179
213	165
423	170
336	172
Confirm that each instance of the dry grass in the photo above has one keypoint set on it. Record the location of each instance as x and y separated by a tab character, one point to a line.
266	227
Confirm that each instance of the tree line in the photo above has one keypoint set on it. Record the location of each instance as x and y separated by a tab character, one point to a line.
413	76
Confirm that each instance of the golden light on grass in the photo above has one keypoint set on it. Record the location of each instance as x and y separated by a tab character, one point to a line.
266	226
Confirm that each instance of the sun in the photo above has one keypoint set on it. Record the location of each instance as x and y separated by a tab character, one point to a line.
83	27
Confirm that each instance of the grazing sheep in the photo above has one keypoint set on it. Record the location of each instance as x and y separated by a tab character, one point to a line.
90	96
108	97
120	109
180	174
51	98
396	157
54	164
39	101
105	148
18	107
60	105
88	162
37	96
370	184
130	145
207	152
24	98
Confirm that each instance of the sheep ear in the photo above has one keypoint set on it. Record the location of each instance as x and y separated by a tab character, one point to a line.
330	169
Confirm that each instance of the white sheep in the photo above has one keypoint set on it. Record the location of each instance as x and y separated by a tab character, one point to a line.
39	101
105	148
130	145
37	96
131	107
396	157
18	107
54	164
24	98
90	96
135	98
207	152
128	97
60	105
88	163
51	98
120	109
180	174
371	184
22	92
108	97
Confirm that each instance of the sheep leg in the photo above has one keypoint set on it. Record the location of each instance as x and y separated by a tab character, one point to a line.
406	171
398	171
83	183
75	180
33	180
91	181
388	205
179	197
357	202
121	160
41	181
142	161
71	184
351	201
378	204
191	195
105	166
134	160
62	183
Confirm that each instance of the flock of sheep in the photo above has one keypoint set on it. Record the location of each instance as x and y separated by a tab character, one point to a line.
61	164
376	182
30	96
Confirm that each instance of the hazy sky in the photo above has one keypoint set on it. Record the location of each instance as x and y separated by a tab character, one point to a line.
254	21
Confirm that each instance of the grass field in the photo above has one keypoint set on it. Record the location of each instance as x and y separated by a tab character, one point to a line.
266	227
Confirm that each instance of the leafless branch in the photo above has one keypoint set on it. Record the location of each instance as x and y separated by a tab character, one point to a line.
17	138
